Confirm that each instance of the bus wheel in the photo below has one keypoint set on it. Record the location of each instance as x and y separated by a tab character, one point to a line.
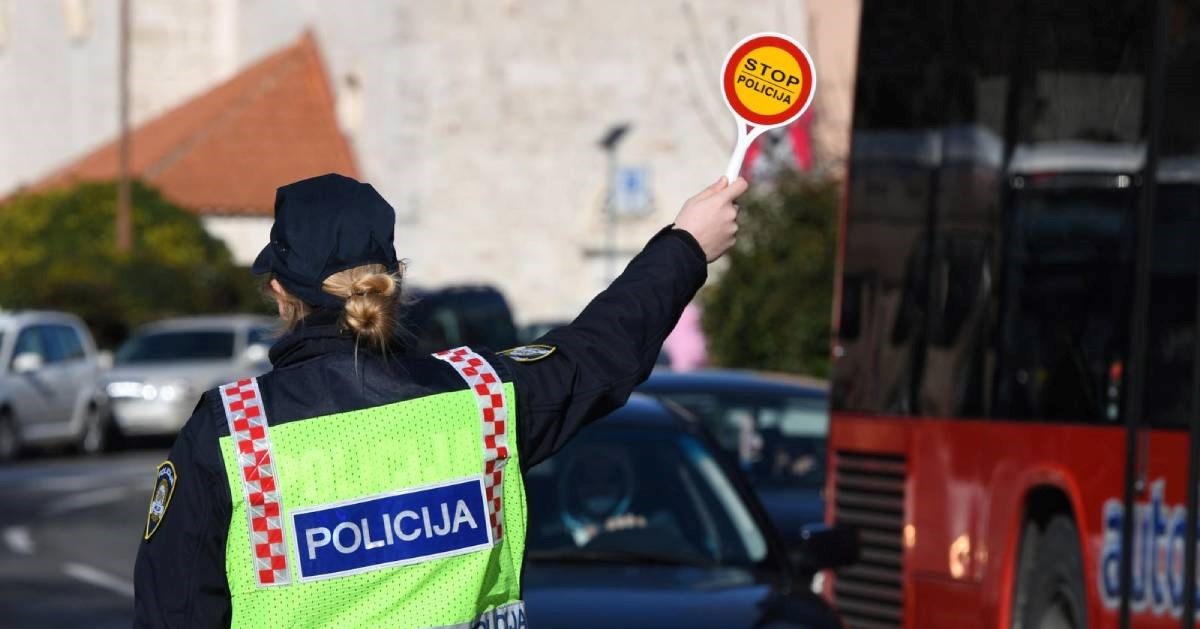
1025	560
1052	591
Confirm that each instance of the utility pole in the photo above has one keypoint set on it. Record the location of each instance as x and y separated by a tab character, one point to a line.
609	143
124	209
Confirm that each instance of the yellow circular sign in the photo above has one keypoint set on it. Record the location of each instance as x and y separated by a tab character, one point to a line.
768	81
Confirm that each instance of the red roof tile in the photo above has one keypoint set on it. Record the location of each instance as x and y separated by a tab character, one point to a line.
226	150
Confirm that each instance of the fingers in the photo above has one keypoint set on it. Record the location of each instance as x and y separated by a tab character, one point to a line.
734	190
711	216
712	189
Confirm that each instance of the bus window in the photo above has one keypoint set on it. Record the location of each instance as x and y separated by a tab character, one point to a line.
1171	324
1067	299
922	209
1075	160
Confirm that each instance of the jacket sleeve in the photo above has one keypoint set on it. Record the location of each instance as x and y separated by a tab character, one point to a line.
179	577
609	349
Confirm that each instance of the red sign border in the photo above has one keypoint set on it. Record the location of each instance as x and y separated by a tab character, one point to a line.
735	59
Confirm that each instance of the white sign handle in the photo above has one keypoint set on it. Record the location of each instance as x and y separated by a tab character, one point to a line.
747	133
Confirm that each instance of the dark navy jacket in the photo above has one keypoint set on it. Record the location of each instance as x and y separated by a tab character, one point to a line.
601	356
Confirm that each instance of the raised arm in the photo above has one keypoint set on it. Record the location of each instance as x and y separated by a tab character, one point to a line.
612	346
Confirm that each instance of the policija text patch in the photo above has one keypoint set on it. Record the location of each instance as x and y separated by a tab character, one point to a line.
392	529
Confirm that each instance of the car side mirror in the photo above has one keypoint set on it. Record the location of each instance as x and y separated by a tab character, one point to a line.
27	362
825	547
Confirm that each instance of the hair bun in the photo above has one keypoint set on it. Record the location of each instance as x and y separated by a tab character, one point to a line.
373	283
372	297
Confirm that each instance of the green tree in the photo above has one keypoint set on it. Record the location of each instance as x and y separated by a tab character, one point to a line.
771	307
58	251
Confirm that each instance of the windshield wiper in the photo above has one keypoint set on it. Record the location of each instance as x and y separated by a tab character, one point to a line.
582	555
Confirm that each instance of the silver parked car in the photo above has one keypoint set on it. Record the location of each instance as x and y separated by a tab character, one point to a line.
49	383
162	369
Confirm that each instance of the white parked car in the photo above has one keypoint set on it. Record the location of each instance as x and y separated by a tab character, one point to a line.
49	383
160	372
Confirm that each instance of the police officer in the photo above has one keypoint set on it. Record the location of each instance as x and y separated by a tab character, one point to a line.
357	485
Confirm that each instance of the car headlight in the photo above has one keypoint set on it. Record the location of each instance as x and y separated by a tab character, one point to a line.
171	392
123	389
166	392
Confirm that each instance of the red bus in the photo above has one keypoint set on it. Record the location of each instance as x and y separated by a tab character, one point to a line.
1015	382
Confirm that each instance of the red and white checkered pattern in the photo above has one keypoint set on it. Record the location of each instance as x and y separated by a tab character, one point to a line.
489	393
264	509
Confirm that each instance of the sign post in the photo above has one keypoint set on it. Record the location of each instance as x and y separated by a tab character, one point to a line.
768	81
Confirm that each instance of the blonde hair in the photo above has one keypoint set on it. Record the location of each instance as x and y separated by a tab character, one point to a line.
372	302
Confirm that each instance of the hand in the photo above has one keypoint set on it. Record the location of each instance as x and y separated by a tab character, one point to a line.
711	217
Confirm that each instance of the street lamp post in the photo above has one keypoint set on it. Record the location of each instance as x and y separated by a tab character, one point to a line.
609	143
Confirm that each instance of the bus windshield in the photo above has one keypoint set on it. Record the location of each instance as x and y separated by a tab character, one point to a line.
1067	301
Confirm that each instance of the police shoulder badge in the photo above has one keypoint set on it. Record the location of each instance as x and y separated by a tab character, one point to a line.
529	353
164	488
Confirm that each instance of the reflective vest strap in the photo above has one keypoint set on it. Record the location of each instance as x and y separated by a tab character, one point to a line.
264	510
482	380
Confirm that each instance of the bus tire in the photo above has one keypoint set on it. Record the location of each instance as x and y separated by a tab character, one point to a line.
1052	592
1030	536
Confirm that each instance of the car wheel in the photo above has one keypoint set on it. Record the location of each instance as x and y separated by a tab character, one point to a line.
1052	590
94	439
10	439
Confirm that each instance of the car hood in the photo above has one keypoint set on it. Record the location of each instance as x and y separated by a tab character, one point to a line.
614	595
201	374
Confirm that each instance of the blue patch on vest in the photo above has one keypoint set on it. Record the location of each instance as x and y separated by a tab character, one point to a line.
408	526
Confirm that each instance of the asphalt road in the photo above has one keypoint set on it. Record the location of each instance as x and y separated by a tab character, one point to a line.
69	531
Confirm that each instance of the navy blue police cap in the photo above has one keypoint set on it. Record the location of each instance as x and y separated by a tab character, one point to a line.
324	225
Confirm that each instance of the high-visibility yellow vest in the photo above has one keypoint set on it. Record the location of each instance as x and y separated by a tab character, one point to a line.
410	514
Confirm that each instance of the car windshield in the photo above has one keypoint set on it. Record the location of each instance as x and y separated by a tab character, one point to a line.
638	496
778	439
178	345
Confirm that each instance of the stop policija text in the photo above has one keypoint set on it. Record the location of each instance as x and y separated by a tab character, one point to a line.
769	81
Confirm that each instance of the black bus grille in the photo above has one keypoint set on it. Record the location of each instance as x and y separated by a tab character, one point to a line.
870	496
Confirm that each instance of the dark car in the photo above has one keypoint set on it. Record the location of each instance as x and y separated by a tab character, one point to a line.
459	315
636	523
774	427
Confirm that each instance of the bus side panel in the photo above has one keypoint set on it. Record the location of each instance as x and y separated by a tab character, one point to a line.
1160	525
965	494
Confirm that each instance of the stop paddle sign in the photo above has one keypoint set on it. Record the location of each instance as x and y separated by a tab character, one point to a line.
768	81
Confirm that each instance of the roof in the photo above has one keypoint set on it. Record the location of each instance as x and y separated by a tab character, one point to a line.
733	382
20	317
226	150
204	322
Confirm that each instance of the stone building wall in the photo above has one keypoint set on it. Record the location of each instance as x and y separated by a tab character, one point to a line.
479	121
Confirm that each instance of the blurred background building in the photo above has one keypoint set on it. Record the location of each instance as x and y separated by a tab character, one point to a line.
480	122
